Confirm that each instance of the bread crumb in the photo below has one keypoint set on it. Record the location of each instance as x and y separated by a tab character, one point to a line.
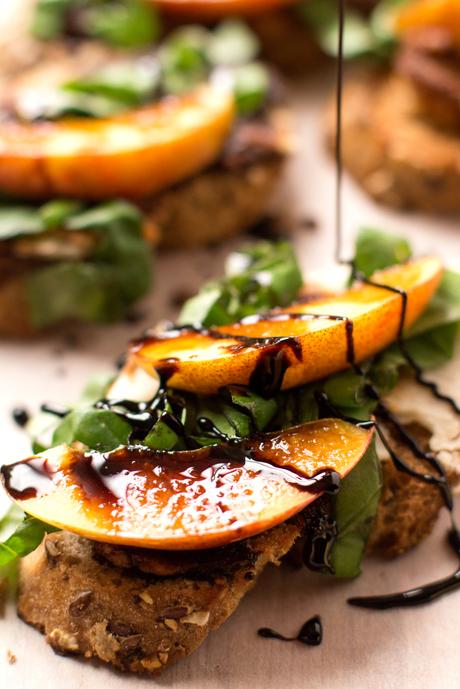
11	657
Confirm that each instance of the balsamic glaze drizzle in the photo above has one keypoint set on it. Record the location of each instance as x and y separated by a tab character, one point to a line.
20	416
310	633
431	591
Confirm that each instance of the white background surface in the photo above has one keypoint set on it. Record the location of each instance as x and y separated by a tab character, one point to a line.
361	649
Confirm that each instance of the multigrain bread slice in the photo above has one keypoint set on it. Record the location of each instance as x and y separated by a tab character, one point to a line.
399	157
134	620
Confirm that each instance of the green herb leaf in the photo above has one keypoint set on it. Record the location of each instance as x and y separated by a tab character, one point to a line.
322	17
126	84
251	87
355	508
25	538
102	288
19	220
376	250
56	214
183	59
232	43
128	24
97	428
260	410
49	18
161	437
258	278
444	307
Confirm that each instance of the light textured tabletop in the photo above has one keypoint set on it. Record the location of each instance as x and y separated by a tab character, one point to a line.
361	649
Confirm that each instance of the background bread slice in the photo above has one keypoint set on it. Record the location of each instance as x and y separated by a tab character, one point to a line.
400	158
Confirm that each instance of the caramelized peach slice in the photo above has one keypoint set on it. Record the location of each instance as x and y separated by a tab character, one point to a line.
306	341
444	14
131	155
213	9
191	499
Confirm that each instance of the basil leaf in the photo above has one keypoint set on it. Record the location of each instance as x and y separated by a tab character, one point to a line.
161	437
96	388
56	214
103	216
232	43
382	22
355	509
228	420
295	407
444	307
260	410
125	84
102	288
376	250
26	537
128	24
183	59
19	220
251	87
99	429
49	18
258	278
322	17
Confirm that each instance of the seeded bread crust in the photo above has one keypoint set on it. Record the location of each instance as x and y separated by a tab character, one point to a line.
137	622
398	156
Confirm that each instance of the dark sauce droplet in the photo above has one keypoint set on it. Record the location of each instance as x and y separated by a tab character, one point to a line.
20	416
310	633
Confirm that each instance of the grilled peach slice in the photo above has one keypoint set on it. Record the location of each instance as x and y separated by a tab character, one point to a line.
306	341
130	155
214	9
191	499
444	14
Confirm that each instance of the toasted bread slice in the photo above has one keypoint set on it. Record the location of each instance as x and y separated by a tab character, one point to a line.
399	157
134	620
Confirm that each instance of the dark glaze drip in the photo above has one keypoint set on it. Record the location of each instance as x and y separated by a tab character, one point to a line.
55	410
418	595
28	479
269	371
20	416
310	634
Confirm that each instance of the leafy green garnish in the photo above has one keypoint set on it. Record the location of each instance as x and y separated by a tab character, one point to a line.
183	59
186	58
258	278
27	534
50	18
372	36
99	288
252	83
19	220
122	23
355	508
128	24
232	43
97	428
376	250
